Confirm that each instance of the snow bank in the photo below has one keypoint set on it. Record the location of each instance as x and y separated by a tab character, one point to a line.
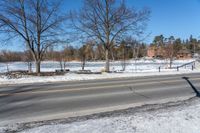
182	118
75	77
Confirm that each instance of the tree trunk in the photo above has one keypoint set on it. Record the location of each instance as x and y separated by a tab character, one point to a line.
64	65
107	66
124	60
37	66
83	64
61	65
7	67
113	58
29	67
170	63
133	54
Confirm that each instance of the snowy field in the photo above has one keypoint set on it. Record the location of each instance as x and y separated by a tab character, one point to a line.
141	65
179	117
134	68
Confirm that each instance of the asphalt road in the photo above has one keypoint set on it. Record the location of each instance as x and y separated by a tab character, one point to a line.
36	102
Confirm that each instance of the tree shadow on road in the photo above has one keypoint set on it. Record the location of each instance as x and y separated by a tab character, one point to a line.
193	87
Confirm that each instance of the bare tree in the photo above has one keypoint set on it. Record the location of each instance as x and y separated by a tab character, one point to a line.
86	52
63	58
36	22
107	21
98	52
170	50
134	44
122	49
83	56
28	59
66	54
172	47
59	56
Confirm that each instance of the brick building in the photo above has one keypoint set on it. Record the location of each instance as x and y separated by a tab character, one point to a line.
184	54
159	52
156	52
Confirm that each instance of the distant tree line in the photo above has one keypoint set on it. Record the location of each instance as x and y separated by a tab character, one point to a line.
87	52
11	56
128	48
192	44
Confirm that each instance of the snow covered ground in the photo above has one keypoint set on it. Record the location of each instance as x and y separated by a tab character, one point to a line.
179	117
142	67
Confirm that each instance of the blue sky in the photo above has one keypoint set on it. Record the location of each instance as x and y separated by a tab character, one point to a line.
180	18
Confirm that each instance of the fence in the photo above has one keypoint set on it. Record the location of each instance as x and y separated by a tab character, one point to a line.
193	63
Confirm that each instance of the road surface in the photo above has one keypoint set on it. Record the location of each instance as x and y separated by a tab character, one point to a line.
36	102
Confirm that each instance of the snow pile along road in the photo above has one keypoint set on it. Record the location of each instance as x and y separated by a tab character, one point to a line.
180	117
